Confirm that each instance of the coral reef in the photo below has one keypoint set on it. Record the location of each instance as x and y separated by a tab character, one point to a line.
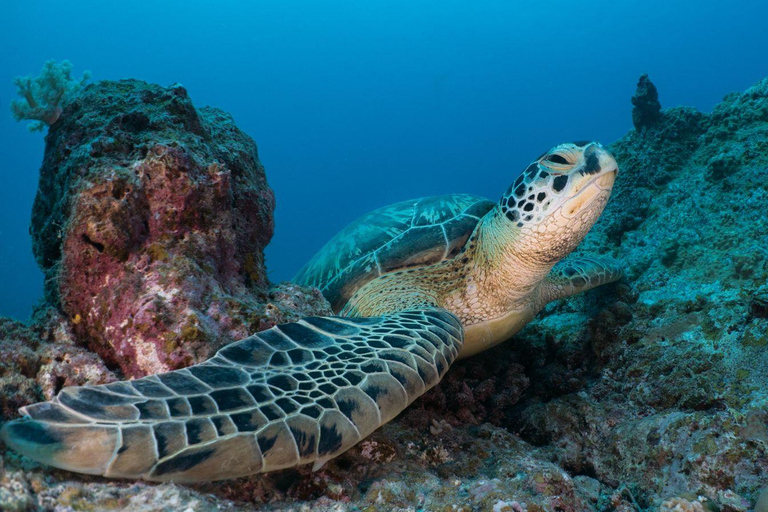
674	399
645	395
150	222
44	94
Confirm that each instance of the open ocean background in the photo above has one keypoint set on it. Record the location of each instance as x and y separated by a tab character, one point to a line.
355	105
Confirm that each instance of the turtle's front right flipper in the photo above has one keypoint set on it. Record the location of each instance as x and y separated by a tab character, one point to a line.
297	393
576	275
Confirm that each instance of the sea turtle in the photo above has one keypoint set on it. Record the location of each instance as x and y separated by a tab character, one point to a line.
415	285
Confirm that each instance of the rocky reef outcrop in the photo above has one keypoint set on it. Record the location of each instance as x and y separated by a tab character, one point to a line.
646	108
659	385
150	222
649	394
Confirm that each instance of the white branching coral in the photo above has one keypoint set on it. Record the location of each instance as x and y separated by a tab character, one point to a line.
42	95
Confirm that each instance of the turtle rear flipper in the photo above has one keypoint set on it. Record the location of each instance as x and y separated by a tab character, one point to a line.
294	394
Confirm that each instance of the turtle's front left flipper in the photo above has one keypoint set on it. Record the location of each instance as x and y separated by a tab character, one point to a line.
297	393
576	275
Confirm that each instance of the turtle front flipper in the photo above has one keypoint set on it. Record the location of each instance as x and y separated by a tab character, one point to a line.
297	393
576	275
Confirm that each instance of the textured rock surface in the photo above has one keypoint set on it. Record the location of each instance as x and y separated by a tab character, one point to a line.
646	395
150	224
646	110
36	362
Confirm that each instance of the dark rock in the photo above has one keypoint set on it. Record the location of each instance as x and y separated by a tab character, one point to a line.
646	110
758	306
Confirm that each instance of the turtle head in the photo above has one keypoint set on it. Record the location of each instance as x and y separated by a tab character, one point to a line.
552	205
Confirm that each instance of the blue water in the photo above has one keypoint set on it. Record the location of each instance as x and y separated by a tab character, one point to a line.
358	104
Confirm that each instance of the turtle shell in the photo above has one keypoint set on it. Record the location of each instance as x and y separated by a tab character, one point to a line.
411	233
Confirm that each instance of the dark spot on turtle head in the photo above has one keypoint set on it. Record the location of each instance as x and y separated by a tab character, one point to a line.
528	207
592	165
559	184
513	215
581	143
520	190
542	196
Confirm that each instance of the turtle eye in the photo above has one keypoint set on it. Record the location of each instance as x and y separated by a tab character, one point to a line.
557	159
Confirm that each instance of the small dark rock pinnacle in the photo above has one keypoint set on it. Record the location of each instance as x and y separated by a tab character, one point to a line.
646	109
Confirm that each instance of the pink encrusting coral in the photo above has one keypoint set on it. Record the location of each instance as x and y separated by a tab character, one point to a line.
150	223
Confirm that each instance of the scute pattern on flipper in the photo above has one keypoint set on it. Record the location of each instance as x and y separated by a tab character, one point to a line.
245	412
410	233
578	274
